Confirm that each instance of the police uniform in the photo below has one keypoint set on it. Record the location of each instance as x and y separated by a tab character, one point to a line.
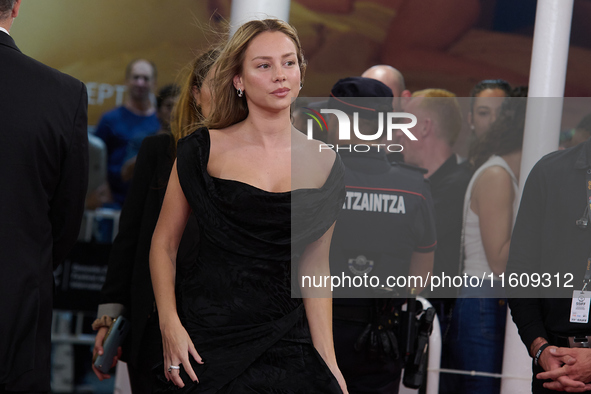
387	216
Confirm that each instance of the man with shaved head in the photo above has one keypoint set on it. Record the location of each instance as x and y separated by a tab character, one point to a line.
393	79
390	77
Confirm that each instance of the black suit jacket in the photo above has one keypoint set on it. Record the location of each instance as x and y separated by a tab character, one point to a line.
43	175
128	286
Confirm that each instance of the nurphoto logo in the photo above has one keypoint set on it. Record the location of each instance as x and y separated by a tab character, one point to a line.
391	120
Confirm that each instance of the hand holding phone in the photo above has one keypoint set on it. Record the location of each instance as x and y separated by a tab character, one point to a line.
113	340
97	350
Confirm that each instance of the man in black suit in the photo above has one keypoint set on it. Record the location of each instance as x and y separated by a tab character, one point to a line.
44	174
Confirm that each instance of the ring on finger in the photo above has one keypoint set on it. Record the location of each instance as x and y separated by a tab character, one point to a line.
171	367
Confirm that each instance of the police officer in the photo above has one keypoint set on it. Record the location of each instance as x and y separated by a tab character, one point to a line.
385	234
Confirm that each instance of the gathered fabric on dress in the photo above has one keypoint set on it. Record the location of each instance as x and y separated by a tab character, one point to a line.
235	300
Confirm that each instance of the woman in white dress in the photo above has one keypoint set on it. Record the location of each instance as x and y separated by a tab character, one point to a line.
478	323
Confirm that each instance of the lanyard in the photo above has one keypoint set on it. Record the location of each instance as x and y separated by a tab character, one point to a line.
588	188
587	277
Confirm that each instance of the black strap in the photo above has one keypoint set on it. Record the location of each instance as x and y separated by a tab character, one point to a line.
588	188
587	278
539	353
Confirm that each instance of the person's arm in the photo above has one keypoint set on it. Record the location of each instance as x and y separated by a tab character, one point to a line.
421	264
524	257
116	291
318	304
165	242
67	204
492	201
422	258
98	350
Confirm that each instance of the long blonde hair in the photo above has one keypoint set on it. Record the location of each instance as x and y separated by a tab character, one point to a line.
187	114
228	108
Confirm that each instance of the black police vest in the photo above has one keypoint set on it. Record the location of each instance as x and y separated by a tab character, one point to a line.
381	224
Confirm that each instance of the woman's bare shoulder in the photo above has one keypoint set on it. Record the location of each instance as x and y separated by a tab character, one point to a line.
494	182
312	158
316	151
495	174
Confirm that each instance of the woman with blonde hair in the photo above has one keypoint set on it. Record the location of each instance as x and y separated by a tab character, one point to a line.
194	102
264	196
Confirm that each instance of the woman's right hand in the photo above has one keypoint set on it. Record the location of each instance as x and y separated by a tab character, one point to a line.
177	347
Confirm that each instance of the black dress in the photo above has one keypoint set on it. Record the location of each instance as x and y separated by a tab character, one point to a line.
235	301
